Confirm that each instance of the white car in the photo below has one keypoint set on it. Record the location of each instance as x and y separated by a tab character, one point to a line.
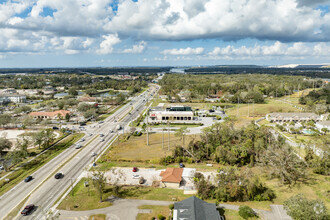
102	139
1	167
136	176
93	154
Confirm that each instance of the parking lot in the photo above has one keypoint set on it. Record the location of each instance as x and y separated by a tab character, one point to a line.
124	176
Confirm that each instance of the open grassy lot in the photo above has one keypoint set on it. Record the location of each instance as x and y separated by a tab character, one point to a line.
97	217
136	149
28	168
83	198
86	198
156	210
232	215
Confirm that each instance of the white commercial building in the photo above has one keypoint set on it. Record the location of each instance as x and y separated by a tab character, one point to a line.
174	113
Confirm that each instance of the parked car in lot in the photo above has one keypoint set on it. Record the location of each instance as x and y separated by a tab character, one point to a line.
59	175
136	176
181	165
141	180
135	169
100	122
28	209
55	128
90	134
1	167
28	179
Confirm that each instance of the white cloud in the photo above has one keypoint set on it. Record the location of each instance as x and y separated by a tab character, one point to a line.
298	49
184	51
139	48
107	44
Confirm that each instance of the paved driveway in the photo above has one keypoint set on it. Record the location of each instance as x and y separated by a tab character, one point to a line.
122	209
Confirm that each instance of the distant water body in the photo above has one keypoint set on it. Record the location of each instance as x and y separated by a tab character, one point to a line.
177	70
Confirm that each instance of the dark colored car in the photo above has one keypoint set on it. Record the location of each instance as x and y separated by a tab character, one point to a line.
28	209
28	179
82	124
59	175
135	169
181	165
55	128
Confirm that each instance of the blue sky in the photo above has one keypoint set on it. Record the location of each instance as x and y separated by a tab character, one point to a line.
74	33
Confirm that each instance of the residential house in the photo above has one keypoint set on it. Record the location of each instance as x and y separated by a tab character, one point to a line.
323	124
194	208
15	98
50	115
172	177
292	116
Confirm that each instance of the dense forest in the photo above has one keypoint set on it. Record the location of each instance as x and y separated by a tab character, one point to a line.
308	71
241	88
81	82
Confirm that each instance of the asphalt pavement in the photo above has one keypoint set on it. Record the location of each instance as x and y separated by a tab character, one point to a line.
44	189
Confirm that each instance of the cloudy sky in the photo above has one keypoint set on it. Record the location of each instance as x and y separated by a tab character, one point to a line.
78	33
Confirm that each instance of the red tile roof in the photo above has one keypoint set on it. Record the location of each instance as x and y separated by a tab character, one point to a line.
50	114
172	175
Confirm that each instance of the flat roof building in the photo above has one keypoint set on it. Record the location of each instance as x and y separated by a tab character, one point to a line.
174	113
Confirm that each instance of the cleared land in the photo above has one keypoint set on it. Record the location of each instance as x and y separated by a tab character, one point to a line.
136	148
87	198
156	210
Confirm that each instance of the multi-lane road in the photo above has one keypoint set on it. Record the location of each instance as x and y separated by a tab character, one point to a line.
44	190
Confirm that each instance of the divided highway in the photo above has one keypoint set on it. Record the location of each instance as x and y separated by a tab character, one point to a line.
44	189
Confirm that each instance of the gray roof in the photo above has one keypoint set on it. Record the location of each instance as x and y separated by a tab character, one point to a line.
293	114
194	208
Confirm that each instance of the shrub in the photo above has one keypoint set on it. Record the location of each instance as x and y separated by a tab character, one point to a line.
171	206
246	212
161	217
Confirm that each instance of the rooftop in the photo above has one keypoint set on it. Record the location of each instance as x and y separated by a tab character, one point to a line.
172	175
194	208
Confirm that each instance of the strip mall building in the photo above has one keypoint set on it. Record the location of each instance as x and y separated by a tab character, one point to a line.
174	113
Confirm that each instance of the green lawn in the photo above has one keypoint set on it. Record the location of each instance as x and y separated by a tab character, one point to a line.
28	168
156	210
86	198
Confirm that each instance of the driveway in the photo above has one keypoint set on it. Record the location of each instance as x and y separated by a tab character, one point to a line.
122	209
127	209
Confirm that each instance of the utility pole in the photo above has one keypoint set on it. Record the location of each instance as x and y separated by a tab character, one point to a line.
163	136
168	128
147	128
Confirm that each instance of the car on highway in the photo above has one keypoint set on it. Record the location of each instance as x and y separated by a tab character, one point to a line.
101	135
82	140
78	146
28	179
90	134
59	175
28	209
102	139
93	154
135	169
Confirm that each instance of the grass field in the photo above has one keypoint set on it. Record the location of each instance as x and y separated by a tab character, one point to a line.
156	210
136	149
87	198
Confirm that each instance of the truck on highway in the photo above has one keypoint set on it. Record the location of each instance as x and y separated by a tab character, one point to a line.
118	127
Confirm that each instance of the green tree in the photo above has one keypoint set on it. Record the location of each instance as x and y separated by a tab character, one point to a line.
91	113
38	138
99	182
181	132
73	92
246	212
5	119
67	117
48	137
299	207
5	144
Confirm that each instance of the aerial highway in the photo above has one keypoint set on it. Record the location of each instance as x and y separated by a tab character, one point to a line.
44	190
